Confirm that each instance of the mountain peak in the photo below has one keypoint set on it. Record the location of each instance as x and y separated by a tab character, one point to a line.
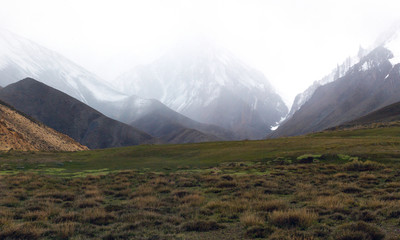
201	80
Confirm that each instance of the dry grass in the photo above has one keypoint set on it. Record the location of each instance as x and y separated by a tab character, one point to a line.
97	216
297	201
86	203
270	205
20	231
193	200
66	230
292	218
335	202
367	177
249	219
368	165
146	202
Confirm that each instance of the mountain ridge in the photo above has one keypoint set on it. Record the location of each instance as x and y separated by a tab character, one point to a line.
18	132
70	116
363	89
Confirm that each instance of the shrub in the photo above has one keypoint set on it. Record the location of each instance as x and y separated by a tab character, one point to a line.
292	218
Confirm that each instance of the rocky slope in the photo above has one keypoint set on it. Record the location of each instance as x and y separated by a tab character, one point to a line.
336	73
19	132
372	83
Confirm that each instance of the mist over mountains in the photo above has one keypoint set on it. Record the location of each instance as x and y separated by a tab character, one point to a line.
209	84
370	84
242	104
196	92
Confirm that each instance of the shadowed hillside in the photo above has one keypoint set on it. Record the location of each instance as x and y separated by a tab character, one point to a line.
18	132
70	116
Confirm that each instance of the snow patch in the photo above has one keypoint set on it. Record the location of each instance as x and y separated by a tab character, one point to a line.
365	66
273	128
277	124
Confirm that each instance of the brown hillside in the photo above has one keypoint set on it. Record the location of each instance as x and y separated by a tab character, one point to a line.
20	133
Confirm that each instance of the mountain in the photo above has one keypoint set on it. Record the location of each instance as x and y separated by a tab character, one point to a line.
70	116
19	132
21	58
335	74
155	118
372	83
210	85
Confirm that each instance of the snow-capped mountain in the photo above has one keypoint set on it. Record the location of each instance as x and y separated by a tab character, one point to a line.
335	74
21	58
370	84
390	39
210	85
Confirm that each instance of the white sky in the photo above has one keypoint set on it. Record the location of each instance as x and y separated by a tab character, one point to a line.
293	42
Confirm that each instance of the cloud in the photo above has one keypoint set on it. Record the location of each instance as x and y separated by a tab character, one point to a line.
293	42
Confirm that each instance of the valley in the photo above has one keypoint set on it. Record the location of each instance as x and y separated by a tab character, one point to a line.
196	143
328	185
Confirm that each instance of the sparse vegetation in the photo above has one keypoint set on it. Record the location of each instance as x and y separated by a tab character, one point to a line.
187	196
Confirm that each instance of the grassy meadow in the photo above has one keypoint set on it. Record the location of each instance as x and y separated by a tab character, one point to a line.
330	185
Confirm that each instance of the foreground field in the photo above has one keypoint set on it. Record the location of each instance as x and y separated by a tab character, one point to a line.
238	190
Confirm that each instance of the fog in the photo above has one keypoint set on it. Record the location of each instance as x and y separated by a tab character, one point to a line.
292	42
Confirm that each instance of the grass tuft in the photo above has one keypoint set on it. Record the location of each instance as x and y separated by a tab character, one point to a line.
292	218
368	165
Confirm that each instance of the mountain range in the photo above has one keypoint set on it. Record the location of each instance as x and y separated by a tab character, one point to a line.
196	92
21	58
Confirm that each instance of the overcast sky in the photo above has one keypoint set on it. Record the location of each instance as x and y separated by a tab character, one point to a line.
293	42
